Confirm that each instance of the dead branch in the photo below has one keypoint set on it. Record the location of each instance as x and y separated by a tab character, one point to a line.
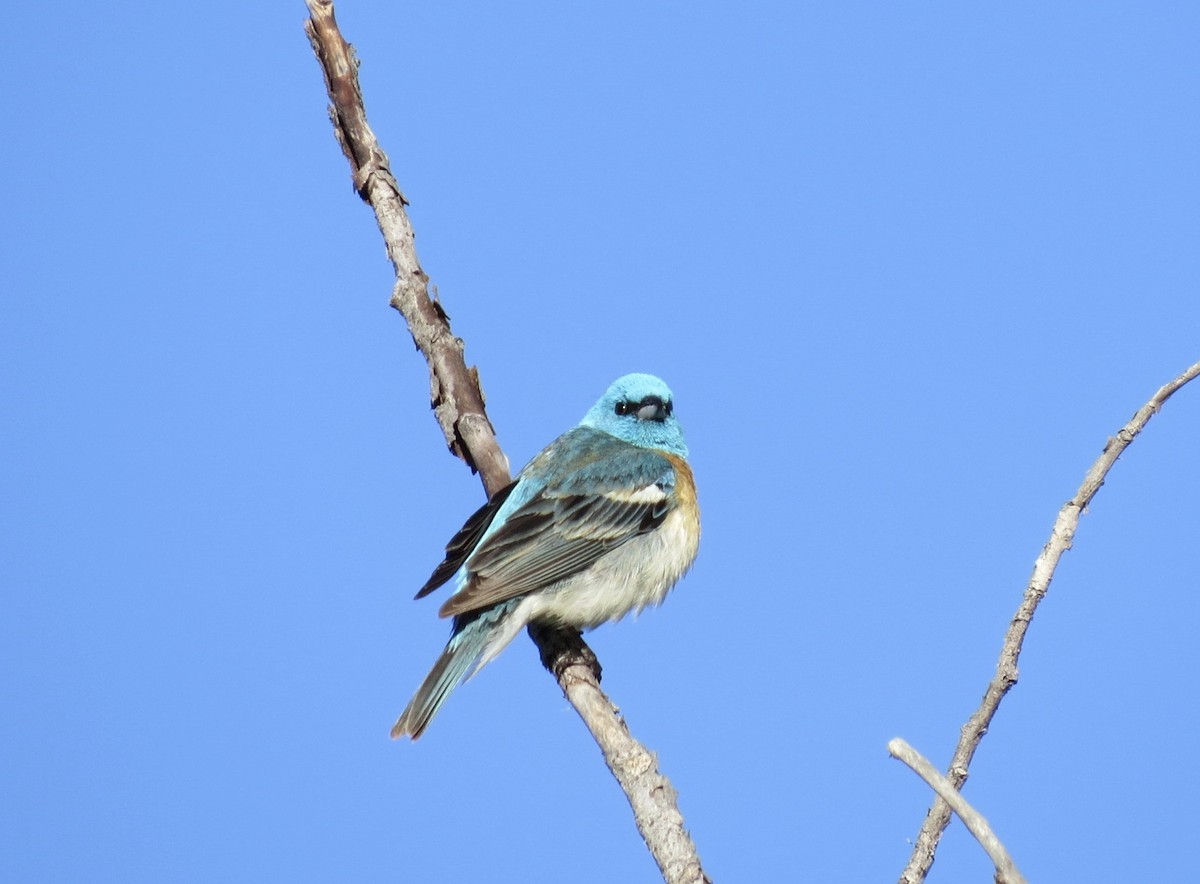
977	825
1060	541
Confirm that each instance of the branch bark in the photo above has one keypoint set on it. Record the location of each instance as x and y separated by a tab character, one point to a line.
1061	538
458	404
1006	869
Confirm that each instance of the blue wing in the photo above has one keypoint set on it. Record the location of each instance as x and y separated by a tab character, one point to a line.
588	493
464	542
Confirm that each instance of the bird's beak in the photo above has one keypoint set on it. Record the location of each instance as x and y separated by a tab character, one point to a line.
652	410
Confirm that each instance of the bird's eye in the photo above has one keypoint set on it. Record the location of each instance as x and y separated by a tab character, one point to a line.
624	407
668	407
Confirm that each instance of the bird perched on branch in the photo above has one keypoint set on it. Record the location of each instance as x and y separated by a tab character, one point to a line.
603	522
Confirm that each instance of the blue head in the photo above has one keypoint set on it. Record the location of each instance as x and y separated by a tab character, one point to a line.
639	409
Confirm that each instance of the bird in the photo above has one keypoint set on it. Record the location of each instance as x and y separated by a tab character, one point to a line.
603	522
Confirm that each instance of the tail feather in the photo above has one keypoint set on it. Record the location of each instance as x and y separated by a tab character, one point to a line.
477	638
448	672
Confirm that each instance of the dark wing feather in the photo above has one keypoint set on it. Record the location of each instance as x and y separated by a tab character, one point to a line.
550	538
463	543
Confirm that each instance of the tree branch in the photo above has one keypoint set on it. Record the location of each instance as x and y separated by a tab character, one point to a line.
1006	869
458	404
1060	541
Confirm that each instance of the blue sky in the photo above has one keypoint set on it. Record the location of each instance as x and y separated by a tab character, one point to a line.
906	267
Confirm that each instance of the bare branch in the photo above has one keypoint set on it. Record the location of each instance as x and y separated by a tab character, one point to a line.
455	391
1006	869
653	799
458	403
1060	541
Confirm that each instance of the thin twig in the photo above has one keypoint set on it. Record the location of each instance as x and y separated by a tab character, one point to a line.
1006	869
458	404
1060	541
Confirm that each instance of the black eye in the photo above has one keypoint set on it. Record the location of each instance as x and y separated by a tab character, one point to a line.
624	407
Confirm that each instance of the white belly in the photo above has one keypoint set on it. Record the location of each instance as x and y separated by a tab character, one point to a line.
638	573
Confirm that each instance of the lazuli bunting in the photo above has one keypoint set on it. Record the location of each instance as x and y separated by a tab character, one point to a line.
603	522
